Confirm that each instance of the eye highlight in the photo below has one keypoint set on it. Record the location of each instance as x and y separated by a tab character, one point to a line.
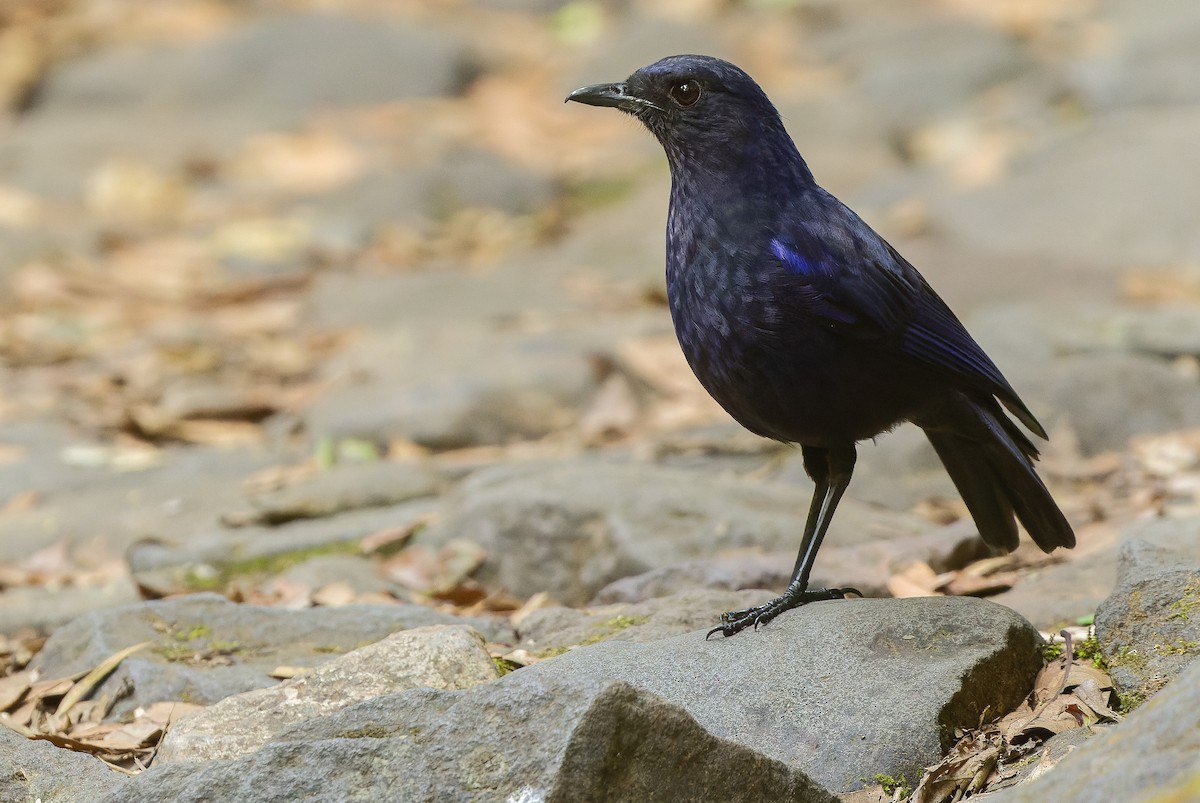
685	93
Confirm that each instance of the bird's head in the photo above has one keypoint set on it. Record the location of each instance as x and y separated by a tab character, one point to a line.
707	113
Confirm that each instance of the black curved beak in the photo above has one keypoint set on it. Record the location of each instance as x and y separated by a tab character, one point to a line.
616	95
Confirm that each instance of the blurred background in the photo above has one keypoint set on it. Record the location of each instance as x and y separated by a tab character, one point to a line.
278	277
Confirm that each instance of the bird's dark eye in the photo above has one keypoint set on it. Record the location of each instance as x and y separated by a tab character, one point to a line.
686	93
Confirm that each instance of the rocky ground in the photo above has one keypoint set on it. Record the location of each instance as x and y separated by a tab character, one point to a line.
346	452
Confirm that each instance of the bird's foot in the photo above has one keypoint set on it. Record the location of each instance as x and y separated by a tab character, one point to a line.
795	596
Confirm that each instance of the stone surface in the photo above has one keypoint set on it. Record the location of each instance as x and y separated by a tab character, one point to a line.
1151	756
537	738
1092	185
550	630
1060	595
269	74
34	770
884	693
430	386
571	528
437	657
1149	627
350	486
866	567
842	690
204	648
214	553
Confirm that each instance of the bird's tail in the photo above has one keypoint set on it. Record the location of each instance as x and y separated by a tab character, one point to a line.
991	463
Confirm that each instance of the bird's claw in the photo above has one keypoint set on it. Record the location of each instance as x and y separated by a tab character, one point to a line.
736	621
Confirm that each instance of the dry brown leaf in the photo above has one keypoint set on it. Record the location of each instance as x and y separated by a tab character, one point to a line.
84	686
916	579
14	687
388	541
136	735
300	163
21	502
613	413
963	584
287	672
334	594
168	711
537	602
439	573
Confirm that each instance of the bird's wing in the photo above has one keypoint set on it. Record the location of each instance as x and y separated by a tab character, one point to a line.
852	280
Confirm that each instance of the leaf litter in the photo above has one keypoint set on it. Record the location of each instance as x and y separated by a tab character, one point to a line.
63	712
1070	692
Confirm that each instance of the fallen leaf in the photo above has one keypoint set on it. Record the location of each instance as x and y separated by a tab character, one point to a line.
14	687
916	579
84	686
334	594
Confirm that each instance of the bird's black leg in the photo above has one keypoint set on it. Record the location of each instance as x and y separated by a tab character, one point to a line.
831	470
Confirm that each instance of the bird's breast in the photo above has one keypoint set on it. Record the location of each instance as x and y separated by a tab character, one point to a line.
779	374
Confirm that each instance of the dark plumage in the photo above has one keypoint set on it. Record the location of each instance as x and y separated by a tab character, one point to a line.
807	326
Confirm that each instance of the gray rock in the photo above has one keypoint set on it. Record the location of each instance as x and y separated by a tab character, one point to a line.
358	572
1168	332
1108	397
1146	63
1056	596
549	631
1149	627
884	694
174	499
539	738
914	68
732	571
269	74
866	567
841	690
47	607
452	386
211	556
1151	756
1112	194
347	486
438	657
571	528
35	770
417	195
892	681
204	648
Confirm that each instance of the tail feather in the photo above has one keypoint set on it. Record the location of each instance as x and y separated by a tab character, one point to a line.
991	463
989	505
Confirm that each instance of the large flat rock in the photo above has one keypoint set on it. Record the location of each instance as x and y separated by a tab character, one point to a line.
826	696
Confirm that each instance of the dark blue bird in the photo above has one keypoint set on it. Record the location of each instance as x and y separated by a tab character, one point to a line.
808	327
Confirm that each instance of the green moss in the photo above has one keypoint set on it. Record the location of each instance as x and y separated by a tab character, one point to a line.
610	628
1052	651
550	652
601	631
1089	650
504	666
1177	647
219	576
183	643
1129	658
890	784
1129	700
1188	604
